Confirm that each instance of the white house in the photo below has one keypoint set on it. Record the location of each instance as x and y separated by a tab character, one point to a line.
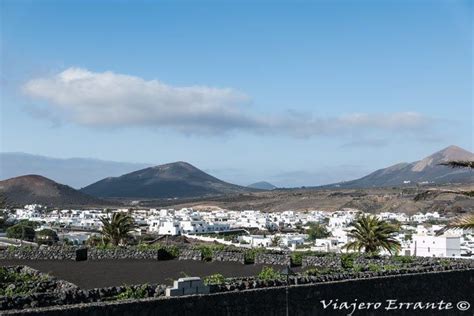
436	246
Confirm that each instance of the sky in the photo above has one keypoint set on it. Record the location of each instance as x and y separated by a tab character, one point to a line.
292	92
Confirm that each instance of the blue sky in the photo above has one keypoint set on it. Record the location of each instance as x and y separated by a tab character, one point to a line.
293	92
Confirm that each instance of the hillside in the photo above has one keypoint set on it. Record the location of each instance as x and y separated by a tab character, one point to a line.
173	180
34	189
262	185
75	172
427	170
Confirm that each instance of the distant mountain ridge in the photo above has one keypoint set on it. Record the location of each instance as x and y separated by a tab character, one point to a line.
75	172
173	180
262	185
35	189
427	170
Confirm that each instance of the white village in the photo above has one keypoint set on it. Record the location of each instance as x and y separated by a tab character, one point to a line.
420	234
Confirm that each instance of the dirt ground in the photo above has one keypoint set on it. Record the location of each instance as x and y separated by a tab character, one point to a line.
92	274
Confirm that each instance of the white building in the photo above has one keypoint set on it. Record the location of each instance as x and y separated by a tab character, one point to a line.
435	246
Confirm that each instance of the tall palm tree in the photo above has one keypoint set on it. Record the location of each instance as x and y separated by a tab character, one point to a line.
372	235
117	227
462	222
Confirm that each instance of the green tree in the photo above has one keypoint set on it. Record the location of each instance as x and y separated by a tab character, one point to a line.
316	231
47	237
372	235
117	228
21	231
276	241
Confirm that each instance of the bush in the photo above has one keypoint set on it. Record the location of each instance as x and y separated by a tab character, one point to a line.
207	251
313	272
357	268
214	279
347	260
390	267
47	237
28	223
268	273
21	231
134	292
168	252
297	258
249	254
374	267
402	259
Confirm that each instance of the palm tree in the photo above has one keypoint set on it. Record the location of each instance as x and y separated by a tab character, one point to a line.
117	228
371	235
462	222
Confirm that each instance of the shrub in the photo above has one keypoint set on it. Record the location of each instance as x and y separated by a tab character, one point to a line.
105	246
297	258
347	260
313	272
133	292
403	259
46	236
214	279
207	251
374	267
357	268
8	276
390	267
168	252
15	289
21	231
249	254
268	273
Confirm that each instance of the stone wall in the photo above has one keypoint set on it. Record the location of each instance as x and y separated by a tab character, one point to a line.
190	254
327	262
273	258
229	256
39	253
451	287
121	253
71	295
334	261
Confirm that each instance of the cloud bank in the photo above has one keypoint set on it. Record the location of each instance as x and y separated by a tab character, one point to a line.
108	99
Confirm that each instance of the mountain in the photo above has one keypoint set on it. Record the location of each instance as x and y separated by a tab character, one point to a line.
173	180
422	171
262	185
76	172
34	189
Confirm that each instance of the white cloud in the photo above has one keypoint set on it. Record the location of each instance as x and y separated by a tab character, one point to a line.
108	99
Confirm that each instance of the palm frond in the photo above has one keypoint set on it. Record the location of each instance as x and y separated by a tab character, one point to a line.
462	222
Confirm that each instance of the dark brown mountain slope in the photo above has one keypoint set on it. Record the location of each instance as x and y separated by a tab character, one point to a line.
173	180
35	189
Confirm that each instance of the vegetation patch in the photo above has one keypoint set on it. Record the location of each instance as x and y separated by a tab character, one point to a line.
216	278
268	273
